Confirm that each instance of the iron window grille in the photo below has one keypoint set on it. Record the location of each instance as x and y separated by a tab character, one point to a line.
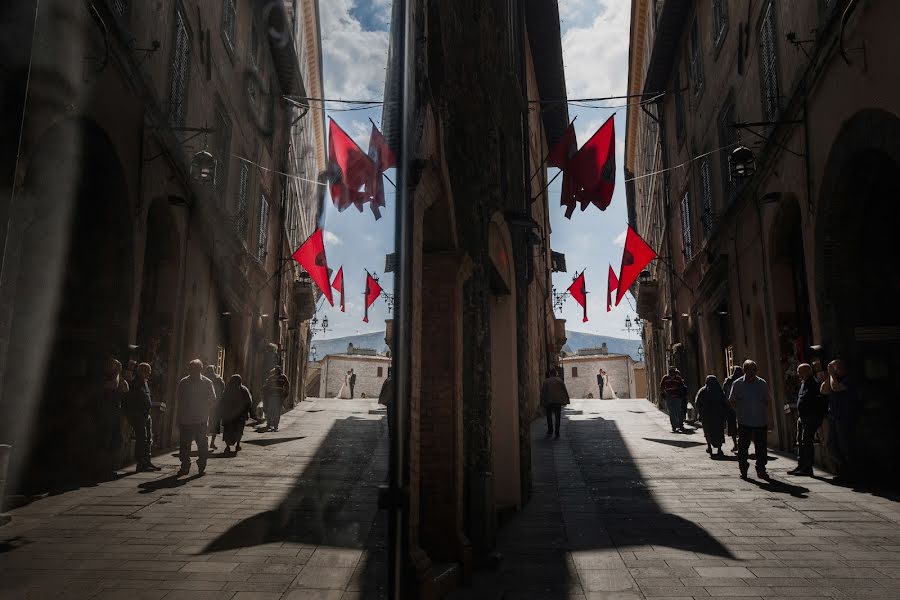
120	7
687	239
708	218
223	148
720	21
229	22
679	109
240	216
768	65
696	58
262	236
181	70
728	139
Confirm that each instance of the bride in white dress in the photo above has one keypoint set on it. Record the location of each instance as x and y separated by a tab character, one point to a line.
608	392
345	388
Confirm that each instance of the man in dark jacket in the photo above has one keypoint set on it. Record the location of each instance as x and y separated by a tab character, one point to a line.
352	382
811	408
843	414
554	396
137	411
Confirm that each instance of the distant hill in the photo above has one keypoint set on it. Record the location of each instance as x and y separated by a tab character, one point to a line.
577	340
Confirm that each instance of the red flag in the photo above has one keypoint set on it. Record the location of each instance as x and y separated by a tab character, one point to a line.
351	169
311	256
373	290
559	157
635	257
338	284
382	158
594	167
613	284
579	293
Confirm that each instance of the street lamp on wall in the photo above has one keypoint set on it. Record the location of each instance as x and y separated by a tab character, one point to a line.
203	167
742	163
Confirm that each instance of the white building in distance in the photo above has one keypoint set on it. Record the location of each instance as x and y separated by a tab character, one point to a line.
580	374
370	368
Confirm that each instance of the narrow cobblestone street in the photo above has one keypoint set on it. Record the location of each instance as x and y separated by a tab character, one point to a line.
292	516
622	509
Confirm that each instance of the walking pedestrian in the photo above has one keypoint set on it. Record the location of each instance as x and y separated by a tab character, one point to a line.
674	391
215	417
750	398
235	407
352	381
812	408
843	413
386	399
554	396
157	408
736	374
275	391
195	398
600	383
713	410
108	411
136	407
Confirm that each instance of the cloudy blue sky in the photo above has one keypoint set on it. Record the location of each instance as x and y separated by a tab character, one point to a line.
595	51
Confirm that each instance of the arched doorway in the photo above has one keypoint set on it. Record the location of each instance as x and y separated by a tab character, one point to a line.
159	303
504	369
75	283
791	301
857	284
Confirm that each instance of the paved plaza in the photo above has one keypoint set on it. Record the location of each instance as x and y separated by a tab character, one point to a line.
622	509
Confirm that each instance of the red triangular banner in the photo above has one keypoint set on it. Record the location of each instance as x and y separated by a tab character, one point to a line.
311	256
636	255
382	158
579	293
338	284
594	167
350	167
613	285
373	291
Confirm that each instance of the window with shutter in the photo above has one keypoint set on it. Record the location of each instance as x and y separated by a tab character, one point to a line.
696	58
240	215
229	23
768	65
262	237
720	20
574	371
120	7
686	235
708	218
728	140
181	70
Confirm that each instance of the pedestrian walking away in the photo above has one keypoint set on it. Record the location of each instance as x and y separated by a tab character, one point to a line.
713	410
108	411
195	398
275	391
386	399
673	391
750	398
352	382
811	408
554	396
843	414
136	407
736	374
235	406
215	416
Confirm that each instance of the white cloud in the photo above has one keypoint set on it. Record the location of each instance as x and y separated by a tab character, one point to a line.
620	239
596	53
332	239
354	59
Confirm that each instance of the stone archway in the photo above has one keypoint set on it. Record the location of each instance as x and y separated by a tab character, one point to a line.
73	299
856	284
504	368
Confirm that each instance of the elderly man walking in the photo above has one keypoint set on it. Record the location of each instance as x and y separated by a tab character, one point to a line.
812	408
750	398
196	396
554	396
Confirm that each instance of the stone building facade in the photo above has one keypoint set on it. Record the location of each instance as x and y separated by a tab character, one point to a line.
112	245
787	265
370	370
580	374
483	330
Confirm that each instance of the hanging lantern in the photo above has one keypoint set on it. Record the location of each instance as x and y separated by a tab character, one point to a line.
742	163
203	167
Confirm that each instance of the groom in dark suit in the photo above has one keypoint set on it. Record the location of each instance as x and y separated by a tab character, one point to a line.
352	382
